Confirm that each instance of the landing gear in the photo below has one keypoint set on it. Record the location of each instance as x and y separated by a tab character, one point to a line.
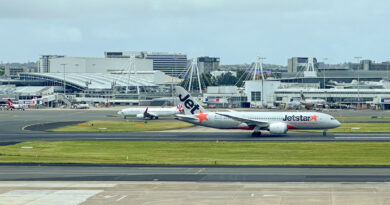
124	117
324	133
256	134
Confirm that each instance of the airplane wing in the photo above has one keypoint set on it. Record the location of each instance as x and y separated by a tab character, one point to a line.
259	123
186	117
148	114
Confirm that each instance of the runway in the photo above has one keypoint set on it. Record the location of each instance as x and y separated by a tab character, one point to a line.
192	174
11	138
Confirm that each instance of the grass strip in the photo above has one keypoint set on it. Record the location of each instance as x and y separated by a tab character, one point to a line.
122	126
199	153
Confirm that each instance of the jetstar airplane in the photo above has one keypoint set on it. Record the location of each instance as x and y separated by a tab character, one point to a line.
151	113
12	106
274	122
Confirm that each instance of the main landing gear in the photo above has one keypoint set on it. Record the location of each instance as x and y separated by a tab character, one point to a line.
324	132
256	134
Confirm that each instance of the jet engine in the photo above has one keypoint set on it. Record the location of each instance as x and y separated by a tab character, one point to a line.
278	128
140	116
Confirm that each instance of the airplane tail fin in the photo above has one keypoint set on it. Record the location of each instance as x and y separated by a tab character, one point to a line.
188	103
146	111
10	104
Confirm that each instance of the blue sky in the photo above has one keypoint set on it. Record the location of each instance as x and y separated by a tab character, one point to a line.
235	31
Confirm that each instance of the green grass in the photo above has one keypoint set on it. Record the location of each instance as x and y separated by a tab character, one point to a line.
357	127
122	126
200	153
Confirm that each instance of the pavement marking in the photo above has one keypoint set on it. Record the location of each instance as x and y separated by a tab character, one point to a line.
355	134
200	170
362	138
124	196
42	197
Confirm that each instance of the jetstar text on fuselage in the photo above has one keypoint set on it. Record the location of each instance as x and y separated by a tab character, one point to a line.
299	118
188	103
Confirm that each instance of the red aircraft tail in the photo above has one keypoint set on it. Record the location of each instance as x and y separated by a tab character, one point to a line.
10	104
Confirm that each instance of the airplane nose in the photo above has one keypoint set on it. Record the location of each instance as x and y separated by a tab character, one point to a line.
338	123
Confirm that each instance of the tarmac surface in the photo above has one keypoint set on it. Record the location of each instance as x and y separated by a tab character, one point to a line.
172	193
192	173
12	138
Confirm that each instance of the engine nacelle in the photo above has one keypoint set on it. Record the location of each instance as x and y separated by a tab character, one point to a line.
278	128
140	116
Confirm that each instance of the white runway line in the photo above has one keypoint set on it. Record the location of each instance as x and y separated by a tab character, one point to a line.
370	138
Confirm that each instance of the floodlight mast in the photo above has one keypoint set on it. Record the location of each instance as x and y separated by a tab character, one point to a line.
64	79
132	68
259	66
194	69
358	72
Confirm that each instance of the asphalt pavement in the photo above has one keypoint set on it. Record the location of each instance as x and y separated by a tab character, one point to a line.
194	174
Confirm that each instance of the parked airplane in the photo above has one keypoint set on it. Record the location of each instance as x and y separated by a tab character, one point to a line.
309	103
13	106
299	103
274	122
81	106
151	113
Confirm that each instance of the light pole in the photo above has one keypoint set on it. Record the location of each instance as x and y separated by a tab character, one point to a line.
260	62
63	65
325	59
358	102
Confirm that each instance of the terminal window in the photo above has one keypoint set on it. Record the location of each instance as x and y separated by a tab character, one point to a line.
256	96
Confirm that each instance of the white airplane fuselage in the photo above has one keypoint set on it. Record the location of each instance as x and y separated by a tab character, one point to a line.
133	112
292	120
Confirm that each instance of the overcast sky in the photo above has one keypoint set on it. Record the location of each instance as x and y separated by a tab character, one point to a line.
236	31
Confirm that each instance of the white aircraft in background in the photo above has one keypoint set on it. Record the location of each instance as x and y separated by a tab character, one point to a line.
305	103
274	122
151	113
13	106
81	106
309	103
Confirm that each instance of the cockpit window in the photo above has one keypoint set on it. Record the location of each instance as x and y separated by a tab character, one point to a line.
332	118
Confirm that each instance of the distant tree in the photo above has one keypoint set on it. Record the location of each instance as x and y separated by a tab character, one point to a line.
206	79
226	79
1	71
